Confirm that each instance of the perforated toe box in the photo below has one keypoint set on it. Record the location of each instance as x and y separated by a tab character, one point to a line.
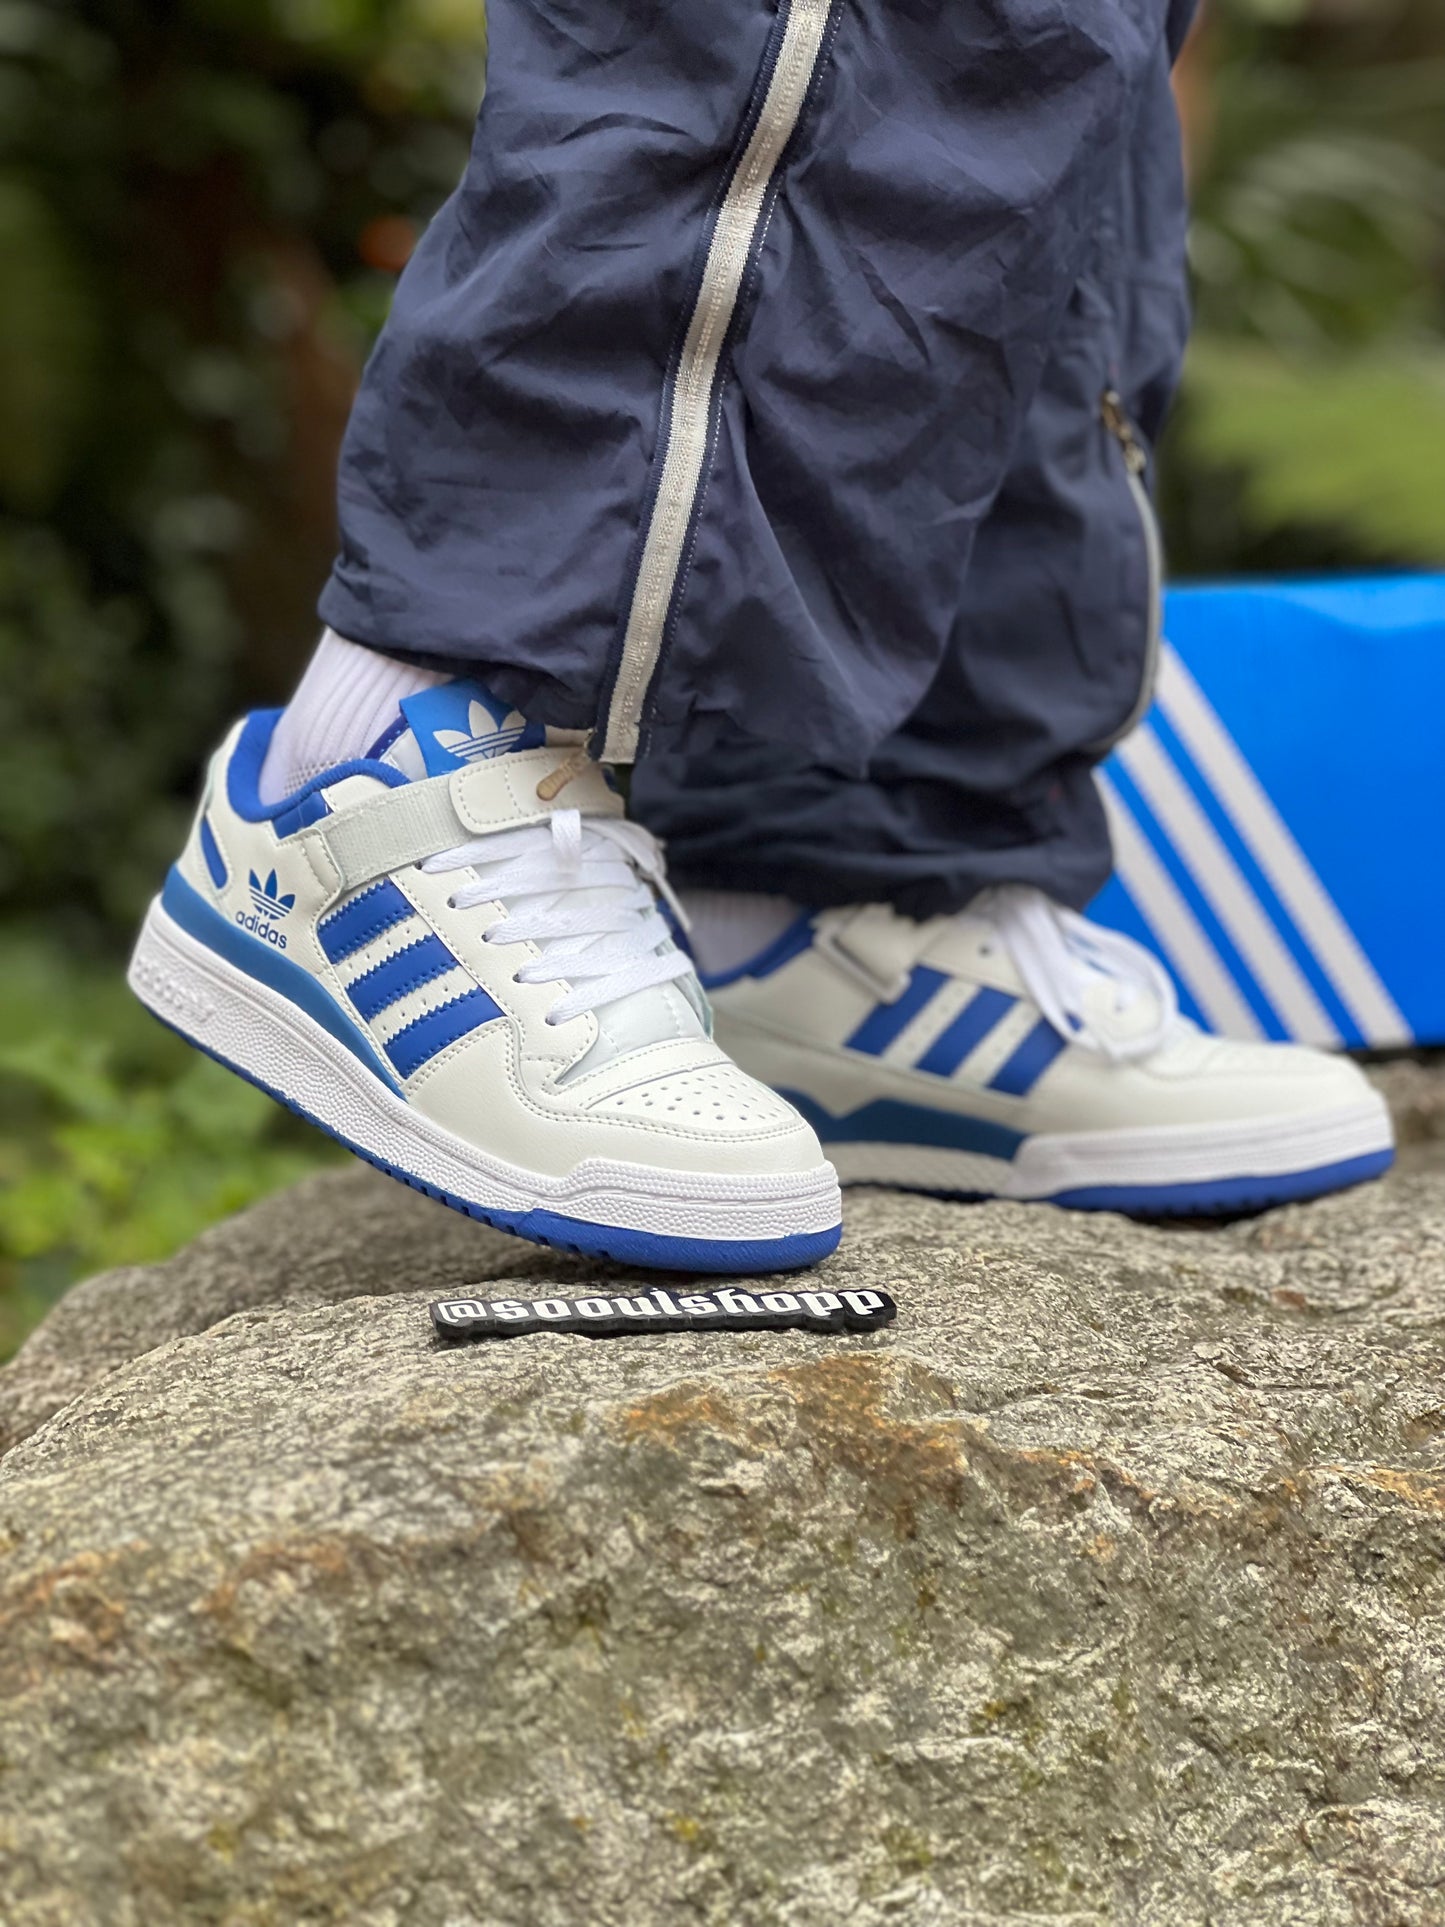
716	1100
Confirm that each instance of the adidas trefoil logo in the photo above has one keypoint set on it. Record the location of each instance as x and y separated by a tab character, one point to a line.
271	907
267	899
489	735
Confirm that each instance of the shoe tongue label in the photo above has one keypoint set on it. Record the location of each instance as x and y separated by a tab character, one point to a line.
665	1311
462	722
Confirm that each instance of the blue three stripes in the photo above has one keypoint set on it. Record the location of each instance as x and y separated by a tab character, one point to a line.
972	1024
359	923
420	963
983	1013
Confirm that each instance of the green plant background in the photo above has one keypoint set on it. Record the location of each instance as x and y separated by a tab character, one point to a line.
202	207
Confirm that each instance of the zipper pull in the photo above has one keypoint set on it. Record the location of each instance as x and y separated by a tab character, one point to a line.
1116	420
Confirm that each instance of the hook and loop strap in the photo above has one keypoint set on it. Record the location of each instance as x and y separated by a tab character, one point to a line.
402	826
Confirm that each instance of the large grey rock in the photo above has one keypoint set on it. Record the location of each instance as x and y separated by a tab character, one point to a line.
1106	1587
338	1236
326	1240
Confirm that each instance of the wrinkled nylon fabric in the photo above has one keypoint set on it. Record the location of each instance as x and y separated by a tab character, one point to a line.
913	597
989	778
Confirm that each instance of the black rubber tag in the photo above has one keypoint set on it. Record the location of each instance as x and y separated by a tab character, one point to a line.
598	1316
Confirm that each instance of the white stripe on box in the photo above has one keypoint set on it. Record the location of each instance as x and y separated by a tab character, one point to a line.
1223	885
1268	839
1179	932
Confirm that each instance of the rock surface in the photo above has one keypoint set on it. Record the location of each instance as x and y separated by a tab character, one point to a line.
1106	1587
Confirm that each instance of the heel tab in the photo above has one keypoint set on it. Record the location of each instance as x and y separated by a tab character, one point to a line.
241	756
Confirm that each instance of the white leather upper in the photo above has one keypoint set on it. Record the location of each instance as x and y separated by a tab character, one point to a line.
519	1086
790	1029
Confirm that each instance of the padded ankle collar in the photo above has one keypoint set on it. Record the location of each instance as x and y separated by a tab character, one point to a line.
252	739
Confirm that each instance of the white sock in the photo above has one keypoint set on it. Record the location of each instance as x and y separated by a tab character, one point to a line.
731	927
346	699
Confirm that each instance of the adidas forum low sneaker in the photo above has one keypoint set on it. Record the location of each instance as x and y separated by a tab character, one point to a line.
449	955
1017	1051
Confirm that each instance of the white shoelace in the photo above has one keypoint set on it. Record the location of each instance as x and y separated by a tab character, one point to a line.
583	891
1059	956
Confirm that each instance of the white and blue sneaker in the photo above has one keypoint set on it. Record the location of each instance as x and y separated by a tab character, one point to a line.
449	955
1017	1051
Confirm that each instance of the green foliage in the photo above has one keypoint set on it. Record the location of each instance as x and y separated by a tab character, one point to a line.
1310	428
47	348
102	705
186	196
118	1142
1317	223
1353	445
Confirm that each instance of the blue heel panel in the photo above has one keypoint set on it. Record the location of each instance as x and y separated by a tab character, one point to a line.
207	925
243	778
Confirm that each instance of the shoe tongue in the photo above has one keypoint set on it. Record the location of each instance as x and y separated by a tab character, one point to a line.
454	724
462	722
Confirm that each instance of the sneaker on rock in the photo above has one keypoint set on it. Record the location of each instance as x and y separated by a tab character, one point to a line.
449	954
1018	1051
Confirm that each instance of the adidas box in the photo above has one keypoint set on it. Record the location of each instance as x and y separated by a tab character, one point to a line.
1279	818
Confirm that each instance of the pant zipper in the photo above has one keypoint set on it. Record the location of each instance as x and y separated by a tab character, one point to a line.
689	427
1116	419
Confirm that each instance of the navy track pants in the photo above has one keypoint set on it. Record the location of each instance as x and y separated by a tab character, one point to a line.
773	399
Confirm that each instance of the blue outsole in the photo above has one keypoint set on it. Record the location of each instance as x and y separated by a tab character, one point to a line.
1239	1197
655	1251
1228	1197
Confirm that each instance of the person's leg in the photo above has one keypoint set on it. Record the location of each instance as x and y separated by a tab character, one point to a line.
986	1040
696	393
662	442
1050	652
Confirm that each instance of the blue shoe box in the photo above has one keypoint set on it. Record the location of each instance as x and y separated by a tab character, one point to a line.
1279	817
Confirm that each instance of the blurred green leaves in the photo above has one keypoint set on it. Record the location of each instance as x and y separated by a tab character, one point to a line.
48	343
186	192
1319	228
1355	444
1313	402
118	1143
97	703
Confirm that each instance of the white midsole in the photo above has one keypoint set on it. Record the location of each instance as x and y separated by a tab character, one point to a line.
1164	1155
261	1032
